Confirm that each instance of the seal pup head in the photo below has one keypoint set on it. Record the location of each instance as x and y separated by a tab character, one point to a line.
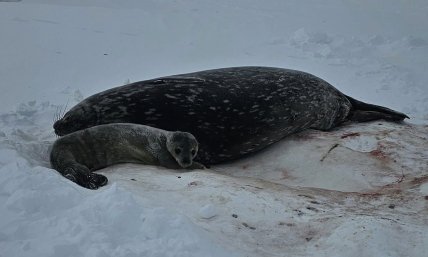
183	147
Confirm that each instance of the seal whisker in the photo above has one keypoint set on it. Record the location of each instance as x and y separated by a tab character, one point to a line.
65	109
56	114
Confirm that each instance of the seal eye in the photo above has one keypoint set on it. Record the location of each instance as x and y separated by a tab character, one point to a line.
193	152
177	150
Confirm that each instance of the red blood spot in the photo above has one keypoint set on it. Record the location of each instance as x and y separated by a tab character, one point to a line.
378	154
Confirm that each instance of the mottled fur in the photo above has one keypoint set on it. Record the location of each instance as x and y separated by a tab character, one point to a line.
232	111
78	154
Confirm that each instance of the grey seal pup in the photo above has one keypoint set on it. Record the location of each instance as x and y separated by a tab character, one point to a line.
77	154
232	112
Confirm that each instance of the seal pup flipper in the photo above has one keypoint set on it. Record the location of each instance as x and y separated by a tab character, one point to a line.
82	176
65	163
362	112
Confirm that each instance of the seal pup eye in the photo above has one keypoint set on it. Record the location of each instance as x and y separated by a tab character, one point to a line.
177	150
193	152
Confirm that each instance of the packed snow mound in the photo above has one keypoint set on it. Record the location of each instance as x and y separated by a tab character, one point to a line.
364	184
353	158
44	214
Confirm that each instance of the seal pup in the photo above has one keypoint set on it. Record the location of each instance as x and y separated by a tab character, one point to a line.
77	154
231	111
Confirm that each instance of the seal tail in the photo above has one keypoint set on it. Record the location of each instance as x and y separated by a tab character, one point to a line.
362	112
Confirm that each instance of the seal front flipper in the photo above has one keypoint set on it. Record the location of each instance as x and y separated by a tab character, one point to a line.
83	177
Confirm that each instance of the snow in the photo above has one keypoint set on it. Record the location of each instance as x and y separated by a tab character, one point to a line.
49	217
359	190
208	211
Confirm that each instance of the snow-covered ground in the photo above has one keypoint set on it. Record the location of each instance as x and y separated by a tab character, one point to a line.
360	190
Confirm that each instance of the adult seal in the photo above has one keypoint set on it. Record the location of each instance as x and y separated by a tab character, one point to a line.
76	155
232	111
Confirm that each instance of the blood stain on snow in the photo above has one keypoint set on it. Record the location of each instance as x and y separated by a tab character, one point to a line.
193	183
285	174
419	180
378	154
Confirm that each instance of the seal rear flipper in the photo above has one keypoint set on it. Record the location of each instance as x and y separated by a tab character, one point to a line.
362	112
83	177
364	116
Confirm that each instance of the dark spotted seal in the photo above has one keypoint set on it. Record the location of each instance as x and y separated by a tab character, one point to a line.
81	152
232	111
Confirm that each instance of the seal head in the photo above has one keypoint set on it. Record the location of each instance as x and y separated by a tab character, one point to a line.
183	147
75	119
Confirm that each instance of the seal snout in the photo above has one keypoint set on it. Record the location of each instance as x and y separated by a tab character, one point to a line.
62	128
186	162
183	147
57	128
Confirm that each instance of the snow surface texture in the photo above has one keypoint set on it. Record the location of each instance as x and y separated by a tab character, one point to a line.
360	190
